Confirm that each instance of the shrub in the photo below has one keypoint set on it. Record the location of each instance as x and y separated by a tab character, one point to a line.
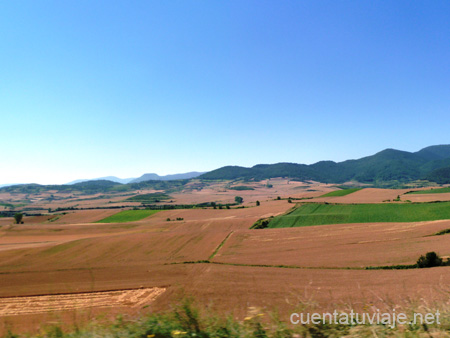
258	204
430	259
18	218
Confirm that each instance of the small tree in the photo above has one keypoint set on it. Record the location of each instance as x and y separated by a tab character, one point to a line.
18	217
238	199
429	260
278	198
258	204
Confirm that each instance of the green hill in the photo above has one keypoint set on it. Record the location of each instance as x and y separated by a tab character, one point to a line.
385	166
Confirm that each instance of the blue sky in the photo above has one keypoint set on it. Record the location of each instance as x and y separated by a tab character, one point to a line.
97	88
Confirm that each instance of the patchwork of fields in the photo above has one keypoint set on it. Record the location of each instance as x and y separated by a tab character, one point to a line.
103	257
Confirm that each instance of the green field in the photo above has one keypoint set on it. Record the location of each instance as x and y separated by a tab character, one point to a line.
342	192
241	187
431	191
128	216
149	198
318	214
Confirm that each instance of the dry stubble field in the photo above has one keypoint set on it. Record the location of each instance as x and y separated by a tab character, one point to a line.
146	265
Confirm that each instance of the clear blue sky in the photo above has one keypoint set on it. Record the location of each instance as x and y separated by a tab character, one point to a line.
97	88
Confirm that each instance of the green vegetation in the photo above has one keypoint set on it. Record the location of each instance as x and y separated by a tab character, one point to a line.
238	199
18	218
342	192
440	175
442	232
262	223
128	216
241	187
318	214
149	198
429	260
430	191
99	186
387	168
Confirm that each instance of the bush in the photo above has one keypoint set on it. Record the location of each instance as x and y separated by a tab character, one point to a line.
430	260
258	204
18	218
262	223
238	199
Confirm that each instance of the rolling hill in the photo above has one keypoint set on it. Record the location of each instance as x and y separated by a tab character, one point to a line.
387	166
384	166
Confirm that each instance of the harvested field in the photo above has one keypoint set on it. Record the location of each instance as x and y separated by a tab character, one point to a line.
69	255
426	197
367	195
337	245
13	306
85	216
236	288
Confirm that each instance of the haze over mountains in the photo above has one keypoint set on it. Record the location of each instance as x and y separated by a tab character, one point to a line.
390	165
145	177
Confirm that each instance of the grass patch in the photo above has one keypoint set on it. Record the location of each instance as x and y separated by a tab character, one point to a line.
342	192
149	198
319	214
219	246
430	191
241	187
128	216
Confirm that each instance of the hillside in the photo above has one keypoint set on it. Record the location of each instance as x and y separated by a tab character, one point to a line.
387	167
99	186
384	166
156	177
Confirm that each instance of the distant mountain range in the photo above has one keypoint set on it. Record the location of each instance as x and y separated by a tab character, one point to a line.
106	178
389	167
431	163
155	177
145	177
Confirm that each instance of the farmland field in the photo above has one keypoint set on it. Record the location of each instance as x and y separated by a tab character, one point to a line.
319	214
212	255
342	192
431	191
128	216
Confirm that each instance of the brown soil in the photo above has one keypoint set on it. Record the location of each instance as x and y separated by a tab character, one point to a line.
74	255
